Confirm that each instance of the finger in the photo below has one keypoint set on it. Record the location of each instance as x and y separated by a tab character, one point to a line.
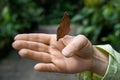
67	39
36	46
76	44
56	44
43	38
62	42
34	55
49	67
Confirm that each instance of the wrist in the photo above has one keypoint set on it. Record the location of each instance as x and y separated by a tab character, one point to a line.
99	61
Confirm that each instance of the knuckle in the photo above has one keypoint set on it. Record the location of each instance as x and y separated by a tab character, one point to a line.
83	37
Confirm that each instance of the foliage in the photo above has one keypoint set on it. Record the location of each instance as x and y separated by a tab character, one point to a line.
54	9
20	15
17	16
100	21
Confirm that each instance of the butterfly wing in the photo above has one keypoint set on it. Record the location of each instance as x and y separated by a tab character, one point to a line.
64	26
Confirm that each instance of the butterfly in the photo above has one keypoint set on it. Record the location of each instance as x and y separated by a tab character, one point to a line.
64	27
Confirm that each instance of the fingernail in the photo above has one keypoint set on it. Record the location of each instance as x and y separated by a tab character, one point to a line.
65	52
36	67
16	37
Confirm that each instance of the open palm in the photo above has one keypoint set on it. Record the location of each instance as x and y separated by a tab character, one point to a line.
45	48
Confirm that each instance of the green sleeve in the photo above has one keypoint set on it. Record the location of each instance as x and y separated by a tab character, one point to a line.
113	69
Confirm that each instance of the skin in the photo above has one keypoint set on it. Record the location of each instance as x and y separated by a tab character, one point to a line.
71	54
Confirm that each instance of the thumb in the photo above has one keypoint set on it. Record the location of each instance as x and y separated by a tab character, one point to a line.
75	45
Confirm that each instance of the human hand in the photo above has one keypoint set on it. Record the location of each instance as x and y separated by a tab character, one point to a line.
68	55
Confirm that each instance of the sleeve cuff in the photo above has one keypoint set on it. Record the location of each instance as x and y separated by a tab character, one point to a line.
113	65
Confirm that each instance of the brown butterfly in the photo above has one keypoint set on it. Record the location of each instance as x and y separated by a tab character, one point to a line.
64	26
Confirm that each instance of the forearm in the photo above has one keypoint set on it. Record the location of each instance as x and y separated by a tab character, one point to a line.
100	61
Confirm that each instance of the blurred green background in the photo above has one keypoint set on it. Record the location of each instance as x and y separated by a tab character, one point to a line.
99	20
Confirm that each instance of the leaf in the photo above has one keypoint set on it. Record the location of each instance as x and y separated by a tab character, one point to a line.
64	26
6	13
77	17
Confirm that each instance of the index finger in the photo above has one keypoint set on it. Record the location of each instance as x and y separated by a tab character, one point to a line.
35	37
